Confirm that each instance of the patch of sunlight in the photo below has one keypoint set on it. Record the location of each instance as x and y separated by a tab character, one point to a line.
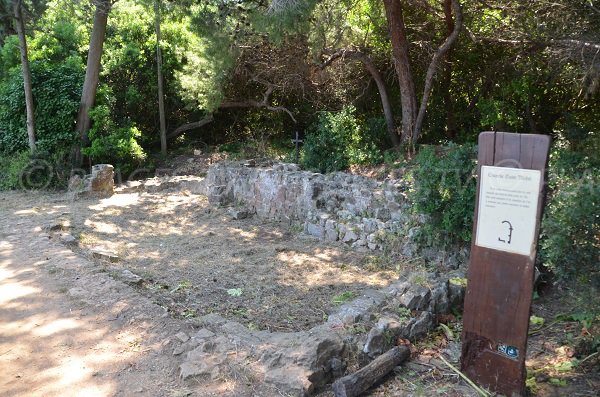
319	272
243	233
12	291
27	212
103	227
72	372
55	326
117	200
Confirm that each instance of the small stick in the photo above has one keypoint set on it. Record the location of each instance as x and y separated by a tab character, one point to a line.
478	389
588	357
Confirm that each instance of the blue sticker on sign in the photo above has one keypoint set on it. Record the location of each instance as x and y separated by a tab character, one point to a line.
509	351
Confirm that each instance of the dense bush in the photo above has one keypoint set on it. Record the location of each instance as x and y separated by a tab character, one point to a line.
114	144
570	238
444	190
56	92
338	140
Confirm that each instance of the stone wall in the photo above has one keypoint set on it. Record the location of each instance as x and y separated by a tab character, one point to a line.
358	211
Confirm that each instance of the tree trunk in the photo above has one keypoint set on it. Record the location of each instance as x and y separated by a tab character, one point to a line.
161	100
92	71
385	101
431	70
27	86
395	18
447	79
372	69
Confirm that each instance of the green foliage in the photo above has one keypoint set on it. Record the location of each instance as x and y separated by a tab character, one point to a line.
570	238
444	190
41	171
343	297
586	319
235	292
336	141
11	168
114	144
56	91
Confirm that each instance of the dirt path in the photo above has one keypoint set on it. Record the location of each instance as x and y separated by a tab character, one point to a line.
66	327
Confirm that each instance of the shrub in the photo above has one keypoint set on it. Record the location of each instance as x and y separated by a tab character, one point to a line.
113	144
41	171
336	141
570	237
444	190
11	167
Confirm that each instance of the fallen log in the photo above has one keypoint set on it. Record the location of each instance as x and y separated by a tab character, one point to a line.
357	383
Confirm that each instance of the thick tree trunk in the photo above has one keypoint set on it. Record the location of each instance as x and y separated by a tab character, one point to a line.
372	69
395	18
27	86
161	100
92	71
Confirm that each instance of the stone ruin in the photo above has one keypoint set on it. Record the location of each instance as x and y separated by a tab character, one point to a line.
354	210
101	182
359	211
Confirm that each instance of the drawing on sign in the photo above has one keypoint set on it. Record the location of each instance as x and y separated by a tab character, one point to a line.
509	351
508	200
510	230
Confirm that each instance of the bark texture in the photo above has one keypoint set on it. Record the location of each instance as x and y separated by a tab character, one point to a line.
27	85
92	71
408	99
433	66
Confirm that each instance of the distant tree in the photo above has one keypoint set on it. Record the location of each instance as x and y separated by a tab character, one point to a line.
27	86
161	94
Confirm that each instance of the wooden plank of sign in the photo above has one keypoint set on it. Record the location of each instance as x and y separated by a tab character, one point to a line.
500	287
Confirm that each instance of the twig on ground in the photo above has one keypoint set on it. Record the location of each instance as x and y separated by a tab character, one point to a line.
588	357
479	390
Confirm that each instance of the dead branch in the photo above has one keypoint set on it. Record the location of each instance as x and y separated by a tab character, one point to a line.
265	103
190	126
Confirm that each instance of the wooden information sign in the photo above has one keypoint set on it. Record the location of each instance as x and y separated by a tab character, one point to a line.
510	194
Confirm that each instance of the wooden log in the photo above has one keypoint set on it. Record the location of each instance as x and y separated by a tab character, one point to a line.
357	383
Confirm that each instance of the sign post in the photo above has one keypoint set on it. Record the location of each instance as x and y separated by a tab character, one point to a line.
510	195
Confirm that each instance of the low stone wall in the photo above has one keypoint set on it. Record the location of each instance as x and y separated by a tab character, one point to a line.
358	211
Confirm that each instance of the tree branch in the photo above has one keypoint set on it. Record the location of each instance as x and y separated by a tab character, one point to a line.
372	69
437	57
190	126
265	103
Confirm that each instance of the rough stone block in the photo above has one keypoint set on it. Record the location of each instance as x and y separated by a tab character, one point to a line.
315	230
416	298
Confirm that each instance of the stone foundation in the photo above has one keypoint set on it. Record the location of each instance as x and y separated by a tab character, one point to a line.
361	212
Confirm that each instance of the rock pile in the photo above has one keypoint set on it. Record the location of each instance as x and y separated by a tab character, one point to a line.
358	211
301	363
